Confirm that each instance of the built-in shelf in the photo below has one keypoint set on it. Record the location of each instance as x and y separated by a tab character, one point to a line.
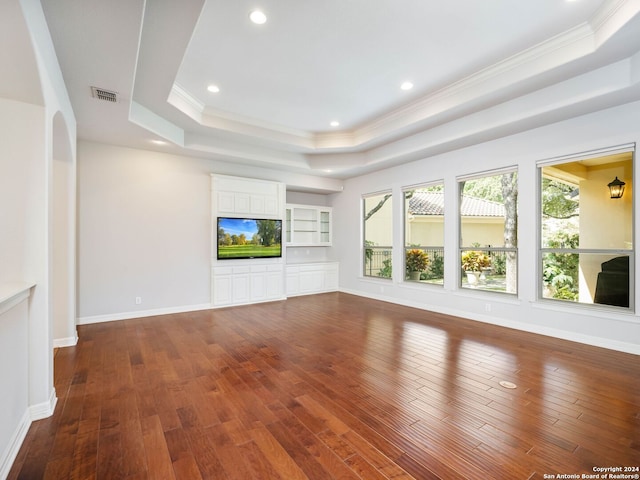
307	225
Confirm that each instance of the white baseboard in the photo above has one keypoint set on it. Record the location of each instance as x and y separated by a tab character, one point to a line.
45	409
15	442
624	347
65	342
31	414
141	313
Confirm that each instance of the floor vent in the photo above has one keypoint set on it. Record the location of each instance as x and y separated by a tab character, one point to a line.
106	95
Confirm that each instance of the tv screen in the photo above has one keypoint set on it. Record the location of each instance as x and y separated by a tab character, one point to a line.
249	238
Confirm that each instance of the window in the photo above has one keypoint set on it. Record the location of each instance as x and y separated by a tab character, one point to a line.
586	250
424	234
378	235
488	232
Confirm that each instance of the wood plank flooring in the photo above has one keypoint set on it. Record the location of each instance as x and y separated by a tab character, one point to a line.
331	386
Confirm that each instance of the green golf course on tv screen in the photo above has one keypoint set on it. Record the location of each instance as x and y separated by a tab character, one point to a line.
249	238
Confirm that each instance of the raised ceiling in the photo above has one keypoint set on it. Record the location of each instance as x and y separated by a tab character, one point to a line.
480	70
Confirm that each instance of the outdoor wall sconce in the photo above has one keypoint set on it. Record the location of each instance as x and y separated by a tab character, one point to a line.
616	188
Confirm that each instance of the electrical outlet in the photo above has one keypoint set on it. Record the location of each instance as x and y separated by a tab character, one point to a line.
138	300
487	307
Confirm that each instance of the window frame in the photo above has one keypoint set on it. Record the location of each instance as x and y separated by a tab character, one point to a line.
488	250
430	248
542	250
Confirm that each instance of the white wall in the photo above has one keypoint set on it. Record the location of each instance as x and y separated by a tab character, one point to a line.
22	127
21	152
14	358
145	229
608	328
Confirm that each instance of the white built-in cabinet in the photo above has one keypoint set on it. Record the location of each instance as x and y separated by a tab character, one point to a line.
307	225
308	278
244	281
242	284
235	281
241	196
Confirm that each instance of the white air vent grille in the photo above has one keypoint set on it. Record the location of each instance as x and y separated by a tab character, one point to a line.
102	94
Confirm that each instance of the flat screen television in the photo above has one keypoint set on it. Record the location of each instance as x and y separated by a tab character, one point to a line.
249	238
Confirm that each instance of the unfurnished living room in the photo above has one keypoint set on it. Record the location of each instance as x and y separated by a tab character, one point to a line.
317	240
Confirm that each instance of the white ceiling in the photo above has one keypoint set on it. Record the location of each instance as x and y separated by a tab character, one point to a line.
313	62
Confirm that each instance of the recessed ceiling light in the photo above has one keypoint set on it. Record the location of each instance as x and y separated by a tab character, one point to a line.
406	86
213	88
159	142
335	124
258	17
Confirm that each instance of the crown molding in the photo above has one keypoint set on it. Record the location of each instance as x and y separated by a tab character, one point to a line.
206	116
551	53
612	15
464	97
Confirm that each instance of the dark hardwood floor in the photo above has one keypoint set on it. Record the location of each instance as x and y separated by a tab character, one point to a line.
331	386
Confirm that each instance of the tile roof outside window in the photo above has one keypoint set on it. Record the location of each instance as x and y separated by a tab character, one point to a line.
432	203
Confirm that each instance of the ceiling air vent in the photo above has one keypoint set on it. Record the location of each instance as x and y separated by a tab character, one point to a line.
102	94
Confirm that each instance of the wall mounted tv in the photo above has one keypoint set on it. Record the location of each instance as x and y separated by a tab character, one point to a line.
249	238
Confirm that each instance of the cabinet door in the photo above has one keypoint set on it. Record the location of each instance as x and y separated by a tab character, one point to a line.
271	205
258	287
240	288
257	204
242	203
311	281
287	226
325	227
274	284
221	289
226	202
331	278
293	280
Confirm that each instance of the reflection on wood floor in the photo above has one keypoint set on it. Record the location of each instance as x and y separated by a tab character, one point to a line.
331	386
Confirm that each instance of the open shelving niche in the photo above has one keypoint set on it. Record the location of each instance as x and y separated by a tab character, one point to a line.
307	226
